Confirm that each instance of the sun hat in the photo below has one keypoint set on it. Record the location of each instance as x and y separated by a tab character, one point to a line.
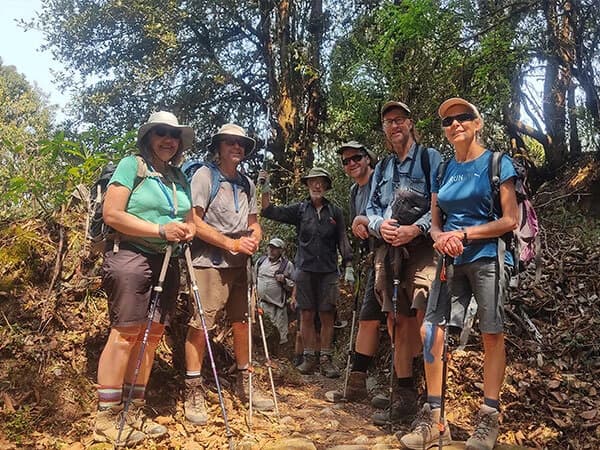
446	105
316	172
168	119
231	129
394	104
358	146
276	242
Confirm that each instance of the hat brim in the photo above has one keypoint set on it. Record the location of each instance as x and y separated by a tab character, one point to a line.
394	104
447	104
305	178
249	143
187	133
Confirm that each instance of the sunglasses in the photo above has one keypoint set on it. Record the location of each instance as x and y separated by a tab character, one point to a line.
175	133
355	158
460	118
233	141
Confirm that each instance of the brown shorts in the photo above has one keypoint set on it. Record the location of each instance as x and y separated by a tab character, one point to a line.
416	275
220	290
128	278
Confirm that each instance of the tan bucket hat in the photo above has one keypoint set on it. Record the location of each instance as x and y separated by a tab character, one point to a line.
276	242
358	146
233	130
316	172
168	119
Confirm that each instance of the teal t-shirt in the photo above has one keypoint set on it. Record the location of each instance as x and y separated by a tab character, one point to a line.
465	196
152	200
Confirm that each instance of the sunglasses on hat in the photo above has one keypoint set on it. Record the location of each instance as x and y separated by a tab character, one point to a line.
161	131
355	158
460	118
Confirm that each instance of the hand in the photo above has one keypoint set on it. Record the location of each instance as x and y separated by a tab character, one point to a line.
292	301
360	227
263	180
388	230
449	243
349	275
280	277
247	245
177	231
405	234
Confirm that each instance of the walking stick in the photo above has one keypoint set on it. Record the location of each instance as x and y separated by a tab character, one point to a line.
396	261
444	273
250	367
157	290
192	276
260	313
352	329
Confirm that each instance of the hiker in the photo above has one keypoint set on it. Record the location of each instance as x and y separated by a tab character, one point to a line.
358	163
146	215
274	284
469	242
228	233
399	214
321	234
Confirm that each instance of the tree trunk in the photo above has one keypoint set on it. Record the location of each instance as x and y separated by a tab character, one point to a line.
574	142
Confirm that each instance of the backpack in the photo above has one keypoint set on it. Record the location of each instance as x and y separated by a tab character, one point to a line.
189	168
524	241
98	233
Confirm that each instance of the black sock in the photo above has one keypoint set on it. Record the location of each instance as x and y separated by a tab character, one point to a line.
361	362
408	382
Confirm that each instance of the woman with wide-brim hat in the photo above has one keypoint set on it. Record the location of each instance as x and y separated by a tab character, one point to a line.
147	203
321	235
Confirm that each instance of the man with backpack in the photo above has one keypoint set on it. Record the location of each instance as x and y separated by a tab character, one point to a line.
399	214
358	163
274	284
321	235
228	233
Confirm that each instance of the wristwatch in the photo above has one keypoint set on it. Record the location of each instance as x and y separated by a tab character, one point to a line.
465	241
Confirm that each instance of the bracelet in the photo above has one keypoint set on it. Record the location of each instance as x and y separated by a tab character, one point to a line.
236	246
161	232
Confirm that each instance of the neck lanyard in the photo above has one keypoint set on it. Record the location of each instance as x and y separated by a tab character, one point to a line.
172	203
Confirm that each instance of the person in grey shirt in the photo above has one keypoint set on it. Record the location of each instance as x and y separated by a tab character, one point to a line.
274	283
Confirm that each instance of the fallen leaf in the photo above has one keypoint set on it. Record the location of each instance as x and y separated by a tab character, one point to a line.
589	415
8	403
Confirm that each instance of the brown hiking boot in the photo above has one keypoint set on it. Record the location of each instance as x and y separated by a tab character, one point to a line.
328	369
309	365
404	406
486	433
425	430
140	421
195	404
107	425
355	392
380	401
260	401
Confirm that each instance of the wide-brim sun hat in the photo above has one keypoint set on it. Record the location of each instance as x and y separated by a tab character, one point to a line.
168	119
395	104
316	172
447	104
232	130
358	146
276	242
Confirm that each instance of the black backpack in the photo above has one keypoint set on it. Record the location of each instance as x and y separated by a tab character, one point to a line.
98	233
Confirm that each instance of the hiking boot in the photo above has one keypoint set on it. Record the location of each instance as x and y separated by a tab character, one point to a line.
425	430
404	406
140	421
327	367
380	401
260	401
355	392
298	359
195	403
485	435
107	425
309	365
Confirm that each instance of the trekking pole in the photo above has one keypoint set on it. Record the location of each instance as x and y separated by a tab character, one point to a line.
250	366
352	329
260	313
444	274
395	258
158	288
192	277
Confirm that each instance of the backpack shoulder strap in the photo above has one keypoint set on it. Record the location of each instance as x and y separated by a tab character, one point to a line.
426	166
215	182
282	265
442	172
494	175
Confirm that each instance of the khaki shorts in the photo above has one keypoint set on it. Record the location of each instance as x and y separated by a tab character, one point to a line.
416	275
220	290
